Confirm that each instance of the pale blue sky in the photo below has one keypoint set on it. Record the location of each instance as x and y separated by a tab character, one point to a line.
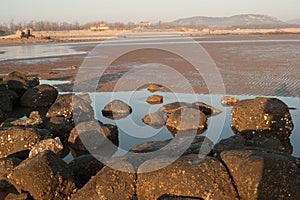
137	10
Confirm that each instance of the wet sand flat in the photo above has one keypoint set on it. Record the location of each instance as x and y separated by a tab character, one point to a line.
250	64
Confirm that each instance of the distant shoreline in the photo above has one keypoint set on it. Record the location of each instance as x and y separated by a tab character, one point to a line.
89	36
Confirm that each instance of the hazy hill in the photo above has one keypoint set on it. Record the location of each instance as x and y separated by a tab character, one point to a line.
228	22
294	21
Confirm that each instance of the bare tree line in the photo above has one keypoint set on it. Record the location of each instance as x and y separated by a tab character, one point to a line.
64	26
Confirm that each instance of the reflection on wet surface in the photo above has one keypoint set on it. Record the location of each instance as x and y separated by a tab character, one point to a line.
36	51
250	65
132	130
53	82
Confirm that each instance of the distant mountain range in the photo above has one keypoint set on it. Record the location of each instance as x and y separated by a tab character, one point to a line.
236	21
294	21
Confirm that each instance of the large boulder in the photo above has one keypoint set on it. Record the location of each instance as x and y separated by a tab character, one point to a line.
263	175
155	120
3	117
20	82
198	145
14	97
172	148
238	142
116	109
6	167
71	107
60	127
110	183
97	137
16	139
232	143
159	118
6	104
44	176
189	176
273	144
187	119
172	107
39	96
267	117
83	168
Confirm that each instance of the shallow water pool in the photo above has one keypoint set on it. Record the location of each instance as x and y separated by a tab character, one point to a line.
132	131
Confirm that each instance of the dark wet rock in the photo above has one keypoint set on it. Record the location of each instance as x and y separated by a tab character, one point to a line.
82	110
6	104
173	148
22	155
271	144
156	119
186	119
22	196
20	82
62	107
53	145
172	107
229	101
83	168
268	117
153	87
188	145
232	143
159	118
14	97
71	107
20	112
85	96
189	176
33	120
8	190
44	176
110	183
172	197
16	139
99	138
116	109
60	127
155	99
6	167
39	96
3	117
238	142
263	175
206	109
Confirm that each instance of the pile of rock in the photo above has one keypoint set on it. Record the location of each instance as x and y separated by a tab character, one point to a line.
181	116
254	164
240	167
38	129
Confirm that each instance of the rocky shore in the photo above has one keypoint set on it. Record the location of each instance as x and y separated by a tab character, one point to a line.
255	163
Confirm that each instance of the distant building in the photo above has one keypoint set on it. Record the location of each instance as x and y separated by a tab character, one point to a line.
101	27
26	33
144	24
